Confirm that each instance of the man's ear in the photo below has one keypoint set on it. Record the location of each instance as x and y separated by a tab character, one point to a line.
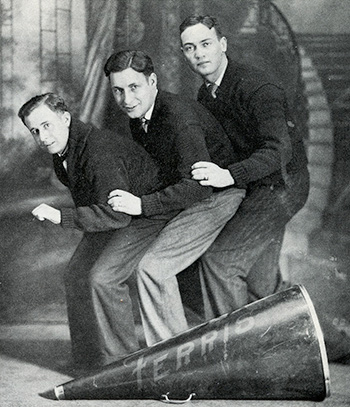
183	54
67	118
223	42
153	80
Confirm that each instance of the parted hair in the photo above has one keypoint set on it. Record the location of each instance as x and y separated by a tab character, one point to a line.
137	60
206	20
51	100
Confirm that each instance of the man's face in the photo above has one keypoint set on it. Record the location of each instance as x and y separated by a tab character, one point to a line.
204	51
49	129
134	92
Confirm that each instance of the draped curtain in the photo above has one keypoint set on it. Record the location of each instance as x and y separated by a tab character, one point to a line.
101	23
112	25
150	25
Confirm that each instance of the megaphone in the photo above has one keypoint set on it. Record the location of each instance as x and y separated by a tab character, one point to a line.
270	349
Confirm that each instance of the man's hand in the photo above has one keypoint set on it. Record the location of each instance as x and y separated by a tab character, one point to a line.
47	212
123	201
210	174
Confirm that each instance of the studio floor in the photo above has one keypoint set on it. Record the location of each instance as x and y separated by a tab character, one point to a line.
34	358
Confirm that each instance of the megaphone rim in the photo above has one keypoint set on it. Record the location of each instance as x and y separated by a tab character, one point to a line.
320	338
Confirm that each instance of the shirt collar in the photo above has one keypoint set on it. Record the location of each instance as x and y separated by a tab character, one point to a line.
64	153
219	80
149	112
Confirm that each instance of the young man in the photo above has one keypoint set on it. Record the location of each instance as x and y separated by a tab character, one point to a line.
242	264
91	163
178	133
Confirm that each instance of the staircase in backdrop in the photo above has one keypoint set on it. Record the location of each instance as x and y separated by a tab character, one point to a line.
330	55
323	267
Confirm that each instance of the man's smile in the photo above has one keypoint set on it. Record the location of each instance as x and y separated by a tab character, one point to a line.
130	108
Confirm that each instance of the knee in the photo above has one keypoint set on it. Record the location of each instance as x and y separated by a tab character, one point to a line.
109	279
150	268
98	277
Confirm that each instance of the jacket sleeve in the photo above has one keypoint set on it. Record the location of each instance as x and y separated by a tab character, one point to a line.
191	147
103	176
267	110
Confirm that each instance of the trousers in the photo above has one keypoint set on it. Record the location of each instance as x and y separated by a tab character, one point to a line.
179	244
99	306
100	313
242	265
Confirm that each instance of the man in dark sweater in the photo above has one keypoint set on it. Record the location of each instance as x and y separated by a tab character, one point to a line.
242	264
176	132
91	163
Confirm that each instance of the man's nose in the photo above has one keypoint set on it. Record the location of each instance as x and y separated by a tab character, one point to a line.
128	98
43	136
198	52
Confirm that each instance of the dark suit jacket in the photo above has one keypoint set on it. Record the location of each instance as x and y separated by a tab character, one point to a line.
98	162
180	133
253	110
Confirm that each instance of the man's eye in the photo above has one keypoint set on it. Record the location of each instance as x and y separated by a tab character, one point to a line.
46	125
34	132
134	87
205	44
189	48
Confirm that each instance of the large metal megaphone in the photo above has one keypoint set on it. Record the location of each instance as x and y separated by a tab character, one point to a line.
270	349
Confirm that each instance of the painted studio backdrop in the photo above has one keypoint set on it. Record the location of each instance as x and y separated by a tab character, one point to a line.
62	46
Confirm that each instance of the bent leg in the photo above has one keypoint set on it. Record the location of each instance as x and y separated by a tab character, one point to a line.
225	267
106	307
181	242
265	276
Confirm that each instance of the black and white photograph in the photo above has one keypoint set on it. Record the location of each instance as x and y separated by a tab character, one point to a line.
175	203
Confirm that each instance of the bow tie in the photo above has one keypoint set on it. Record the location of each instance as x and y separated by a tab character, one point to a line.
62	157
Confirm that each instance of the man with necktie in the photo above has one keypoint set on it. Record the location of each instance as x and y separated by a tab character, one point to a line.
242	265
179	133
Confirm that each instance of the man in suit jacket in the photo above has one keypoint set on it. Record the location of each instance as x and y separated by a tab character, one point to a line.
91	163
179	132
242	264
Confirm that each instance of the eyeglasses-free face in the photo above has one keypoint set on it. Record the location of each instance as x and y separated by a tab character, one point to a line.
134	92
204	51
50	129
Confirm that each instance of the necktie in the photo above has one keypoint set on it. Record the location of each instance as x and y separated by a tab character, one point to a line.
144	123
212	88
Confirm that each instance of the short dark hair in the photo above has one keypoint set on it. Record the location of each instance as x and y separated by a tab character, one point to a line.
51	100
207	20
137	60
